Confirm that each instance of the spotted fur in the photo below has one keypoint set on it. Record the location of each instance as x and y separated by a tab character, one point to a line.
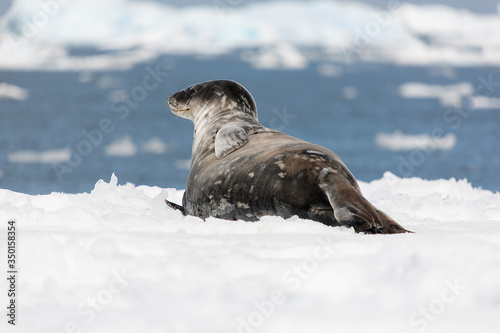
243	170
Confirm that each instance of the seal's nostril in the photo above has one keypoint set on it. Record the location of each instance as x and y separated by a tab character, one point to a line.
172	101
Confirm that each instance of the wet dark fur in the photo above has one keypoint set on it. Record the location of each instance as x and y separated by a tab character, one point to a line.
271	174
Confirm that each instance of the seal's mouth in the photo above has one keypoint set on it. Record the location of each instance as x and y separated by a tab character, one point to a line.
181	110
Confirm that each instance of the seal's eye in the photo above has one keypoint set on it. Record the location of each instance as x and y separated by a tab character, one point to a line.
190	91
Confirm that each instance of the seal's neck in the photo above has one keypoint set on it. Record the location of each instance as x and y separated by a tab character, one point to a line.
210	122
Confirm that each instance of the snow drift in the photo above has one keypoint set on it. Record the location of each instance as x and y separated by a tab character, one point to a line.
119	258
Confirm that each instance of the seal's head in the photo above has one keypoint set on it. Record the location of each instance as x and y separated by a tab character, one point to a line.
211	98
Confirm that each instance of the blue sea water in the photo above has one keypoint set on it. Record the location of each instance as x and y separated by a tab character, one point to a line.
77	111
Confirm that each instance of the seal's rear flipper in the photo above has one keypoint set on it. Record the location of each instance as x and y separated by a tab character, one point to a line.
392	226
175	206
350	208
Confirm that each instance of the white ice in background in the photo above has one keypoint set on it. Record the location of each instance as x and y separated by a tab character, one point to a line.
123	146
183	164
117	95
126	147
270	34
484	102
155	146
399	141
452	95
48	156
107	81
118	257
283	55
349	92
85	76
11	91
329	70
449	95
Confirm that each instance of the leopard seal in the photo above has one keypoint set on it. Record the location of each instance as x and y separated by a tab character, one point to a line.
243	170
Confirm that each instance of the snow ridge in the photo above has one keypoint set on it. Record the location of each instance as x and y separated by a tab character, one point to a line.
120	255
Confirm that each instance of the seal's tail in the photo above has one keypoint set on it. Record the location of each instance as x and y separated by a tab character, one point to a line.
175	206
350	208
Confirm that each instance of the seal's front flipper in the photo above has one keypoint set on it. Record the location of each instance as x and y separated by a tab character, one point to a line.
175	206
231	137
350	208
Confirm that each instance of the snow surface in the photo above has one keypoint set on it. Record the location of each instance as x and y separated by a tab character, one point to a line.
278	34
118	259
